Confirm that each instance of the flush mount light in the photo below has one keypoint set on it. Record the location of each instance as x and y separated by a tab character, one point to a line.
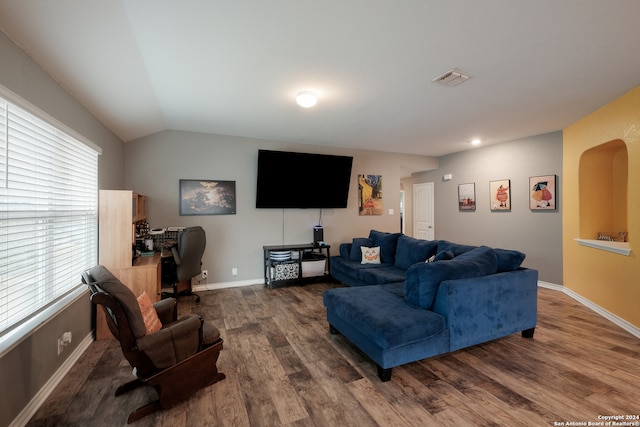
306	99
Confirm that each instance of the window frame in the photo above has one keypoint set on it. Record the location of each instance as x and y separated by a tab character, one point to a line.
12	334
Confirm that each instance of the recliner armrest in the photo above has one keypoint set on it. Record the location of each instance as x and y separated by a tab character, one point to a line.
174	342
166	310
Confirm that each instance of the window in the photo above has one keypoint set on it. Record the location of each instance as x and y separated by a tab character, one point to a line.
48	213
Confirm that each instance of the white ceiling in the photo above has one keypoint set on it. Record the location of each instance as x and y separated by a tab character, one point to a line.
234	67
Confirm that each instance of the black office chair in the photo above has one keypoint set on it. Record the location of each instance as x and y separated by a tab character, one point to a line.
187	261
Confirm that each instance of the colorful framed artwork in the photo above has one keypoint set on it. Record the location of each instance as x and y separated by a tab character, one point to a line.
542	192
207	197
500	195
370	194
467	197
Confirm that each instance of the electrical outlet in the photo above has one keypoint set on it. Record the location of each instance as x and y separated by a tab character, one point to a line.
234	271
205	274
63	341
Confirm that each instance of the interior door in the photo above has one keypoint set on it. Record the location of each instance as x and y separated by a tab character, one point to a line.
423	226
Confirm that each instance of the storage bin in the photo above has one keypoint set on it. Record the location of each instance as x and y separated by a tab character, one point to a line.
285	271
313	268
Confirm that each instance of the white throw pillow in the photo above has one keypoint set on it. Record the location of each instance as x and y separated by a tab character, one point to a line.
370	255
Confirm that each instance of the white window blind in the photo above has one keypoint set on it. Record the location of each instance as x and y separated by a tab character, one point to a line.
48	213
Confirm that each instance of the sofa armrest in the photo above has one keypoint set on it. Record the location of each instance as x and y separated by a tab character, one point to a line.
345	250
174	342
166	310
483	308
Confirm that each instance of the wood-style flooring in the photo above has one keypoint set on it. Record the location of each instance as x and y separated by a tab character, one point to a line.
283	368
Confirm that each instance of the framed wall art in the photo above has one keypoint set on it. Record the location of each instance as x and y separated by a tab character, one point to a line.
542	192
500	195
370	192
467	197
207	197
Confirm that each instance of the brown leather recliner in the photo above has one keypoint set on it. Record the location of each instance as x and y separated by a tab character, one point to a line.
177	360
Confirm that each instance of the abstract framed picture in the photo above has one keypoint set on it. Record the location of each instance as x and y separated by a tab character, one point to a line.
542	192
500	195
207	197
467	197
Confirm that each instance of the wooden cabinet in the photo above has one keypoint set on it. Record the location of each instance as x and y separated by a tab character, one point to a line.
139	207
119	210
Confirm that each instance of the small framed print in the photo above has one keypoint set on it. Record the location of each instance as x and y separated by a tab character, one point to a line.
467	197
500	195
207	197
542	192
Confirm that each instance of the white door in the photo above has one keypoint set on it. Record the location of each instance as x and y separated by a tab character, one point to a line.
423	227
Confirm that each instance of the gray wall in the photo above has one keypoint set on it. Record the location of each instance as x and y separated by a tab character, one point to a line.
25	368
536	233
155	164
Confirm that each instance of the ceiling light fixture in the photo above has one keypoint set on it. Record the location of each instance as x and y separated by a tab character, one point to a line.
476	141
306	99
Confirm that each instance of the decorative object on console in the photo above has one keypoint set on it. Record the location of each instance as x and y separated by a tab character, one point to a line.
207	197
370	192
467	197
500	195
542	192
620	236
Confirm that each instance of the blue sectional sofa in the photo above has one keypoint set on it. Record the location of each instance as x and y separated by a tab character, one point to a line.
449	296
398	252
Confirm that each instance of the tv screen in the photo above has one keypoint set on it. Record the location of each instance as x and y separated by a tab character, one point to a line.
301	180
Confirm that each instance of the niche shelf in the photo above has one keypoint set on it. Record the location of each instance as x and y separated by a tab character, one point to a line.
621	248
603	176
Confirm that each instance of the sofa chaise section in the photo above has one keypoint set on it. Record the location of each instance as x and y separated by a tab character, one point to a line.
480	295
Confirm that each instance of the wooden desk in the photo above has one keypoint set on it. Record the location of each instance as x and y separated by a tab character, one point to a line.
144	275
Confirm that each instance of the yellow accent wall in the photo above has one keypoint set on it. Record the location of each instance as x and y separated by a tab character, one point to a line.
610	280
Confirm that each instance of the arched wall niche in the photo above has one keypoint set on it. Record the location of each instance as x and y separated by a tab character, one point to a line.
603	175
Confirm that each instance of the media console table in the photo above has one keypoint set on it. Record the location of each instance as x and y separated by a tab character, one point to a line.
306	263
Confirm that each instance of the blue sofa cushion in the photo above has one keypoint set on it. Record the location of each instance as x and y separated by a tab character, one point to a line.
443	256
509	260
423	279
456	248
383	316
379	276
410	250
352	269
387	242
356	244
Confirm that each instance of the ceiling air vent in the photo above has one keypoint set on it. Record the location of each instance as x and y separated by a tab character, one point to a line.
452	77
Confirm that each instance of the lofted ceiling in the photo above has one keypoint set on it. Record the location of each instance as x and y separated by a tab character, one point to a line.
234	67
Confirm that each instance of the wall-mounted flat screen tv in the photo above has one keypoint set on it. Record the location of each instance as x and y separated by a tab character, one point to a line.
302	180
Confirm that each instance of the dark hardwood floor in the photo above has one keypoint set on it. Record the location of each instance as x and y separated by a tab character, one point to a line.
284	368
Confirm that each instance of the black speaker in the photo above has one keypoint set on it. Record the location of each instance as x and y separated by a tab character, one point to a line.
318	234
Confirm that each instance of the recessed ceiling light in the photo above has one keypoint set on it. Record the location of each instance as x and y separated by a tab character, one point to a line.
306	99
476	141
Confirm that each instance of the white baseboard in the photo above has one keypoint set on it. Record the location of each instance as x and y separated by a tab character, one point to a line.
223	285
633	330
42	395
